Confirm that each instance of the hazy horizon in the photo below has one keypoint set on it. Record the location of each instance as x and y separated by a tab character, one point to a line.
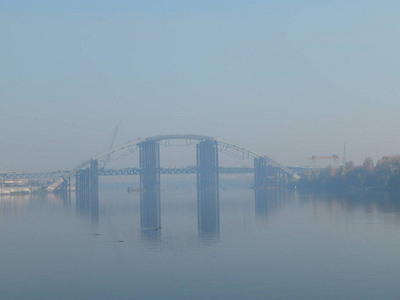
291	80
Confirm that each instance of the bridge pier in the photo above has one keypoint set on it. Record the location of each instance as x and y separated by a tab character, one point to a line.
150	204
265	176
207	187
87	188
260	173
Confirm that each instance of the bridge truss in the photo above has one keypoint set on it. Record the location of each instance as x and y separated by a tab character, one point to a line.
223	146
120	172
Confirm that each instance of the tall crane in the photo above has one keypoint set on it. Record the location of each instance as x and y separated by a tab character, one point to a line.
108	158
344	154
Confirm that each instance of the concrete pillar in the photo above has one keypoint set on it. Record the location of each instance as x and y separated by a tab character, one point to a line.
207	187
87	190
260	173
150	204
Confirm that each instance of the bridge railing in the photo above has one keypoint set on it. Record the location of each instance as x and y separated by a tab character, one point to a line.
121	172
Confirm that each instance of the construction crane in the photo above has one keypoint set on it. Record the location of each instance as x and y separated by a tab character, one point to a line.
335	157
344	154
108	158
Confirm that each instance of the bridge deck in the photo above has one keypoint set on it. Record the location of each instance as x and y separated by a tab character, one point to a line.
132	171
125	171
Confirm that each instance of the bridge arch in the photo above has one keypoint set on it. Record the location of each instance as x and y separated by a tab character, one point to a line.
225	144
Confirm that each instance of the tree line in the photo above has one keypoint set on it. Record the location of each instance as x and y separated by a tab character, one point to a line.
384	175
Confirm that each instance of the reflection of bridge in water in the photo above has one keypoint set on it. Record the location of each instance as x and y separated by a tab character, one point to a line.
267	172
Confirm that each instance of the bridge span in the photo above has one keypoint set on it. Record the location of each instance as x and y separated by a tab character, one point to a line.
262	161
120	172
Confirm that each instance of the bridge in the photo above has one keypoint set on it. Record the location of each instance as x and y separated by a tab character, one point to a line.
119	172
261	161
266	171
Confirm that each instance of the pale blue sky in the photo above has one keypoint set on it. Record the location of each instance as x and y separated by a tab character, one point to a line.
292	80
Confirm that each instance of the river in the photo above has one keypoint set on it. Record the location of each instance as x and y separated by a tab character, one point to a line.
284	245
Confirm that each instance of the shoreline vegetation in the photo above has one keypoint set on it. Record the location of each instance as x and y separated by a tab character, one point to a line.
382	176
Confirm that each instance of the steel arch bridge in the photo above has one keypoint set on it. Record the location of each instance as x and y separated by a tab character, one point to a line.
223	145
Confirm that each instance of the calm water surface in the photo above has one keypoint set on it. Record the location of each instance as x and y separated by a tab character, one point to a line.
285	245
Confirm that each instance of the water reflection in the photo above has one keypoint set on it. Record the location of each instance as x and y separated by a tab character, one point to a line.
150	215
150	210
152	235
65	198
267	200
208	218
11	204
352	202
88	206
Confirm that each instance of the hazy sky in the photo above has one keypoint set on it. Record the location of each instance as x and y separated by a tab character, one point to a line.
290	78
